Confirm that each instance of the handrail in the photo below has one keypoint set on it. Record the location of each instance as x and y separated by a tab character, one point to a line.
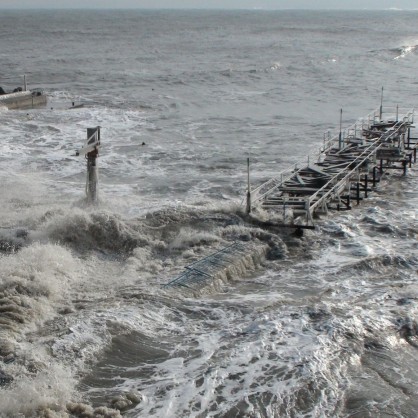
349	174
315	204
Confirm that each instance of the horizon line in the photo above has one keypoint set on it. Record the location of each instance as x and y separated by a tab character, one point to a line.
395	9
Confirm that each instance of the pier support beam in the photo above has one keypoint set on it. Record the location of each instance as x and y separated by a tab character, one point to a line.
381	106
374	176
344	200
358	192
366	185
248	208
340	136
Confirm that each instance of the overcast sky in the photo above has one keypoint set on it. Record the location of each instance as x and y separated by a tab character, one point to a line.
212	4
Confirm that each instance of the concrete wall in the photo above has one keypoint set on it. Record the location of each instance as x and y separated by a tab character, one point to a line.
23	100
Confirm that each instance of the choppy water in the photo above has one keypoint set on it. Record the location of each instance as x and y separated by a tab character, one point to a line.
321	326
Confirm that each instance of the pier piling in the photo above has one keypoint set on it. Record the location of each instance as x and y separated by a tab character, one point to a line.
248	187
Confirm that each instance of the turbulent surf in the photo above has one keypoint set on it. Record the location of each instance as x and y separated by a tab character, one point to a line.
324	325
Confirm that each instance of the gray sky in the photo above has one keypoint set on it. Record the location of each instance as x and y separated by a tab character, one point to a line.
209	4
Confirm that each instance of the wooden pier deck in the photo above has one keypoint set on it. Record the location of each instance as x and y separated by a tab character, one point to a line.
346	168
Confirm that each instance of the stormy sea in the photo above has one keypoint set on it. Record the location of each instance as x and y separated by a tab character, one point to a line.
323	325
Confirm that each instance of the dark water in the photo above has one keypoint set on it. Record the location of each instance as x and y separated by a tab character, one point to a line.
321	326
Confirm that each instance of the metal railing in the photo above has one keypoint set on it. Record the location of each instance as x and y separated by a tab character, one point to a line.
362	158
199	272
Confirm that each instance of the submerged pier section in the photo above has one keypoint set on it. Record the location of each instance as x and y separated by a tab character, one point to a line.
204	271
345	169
228	262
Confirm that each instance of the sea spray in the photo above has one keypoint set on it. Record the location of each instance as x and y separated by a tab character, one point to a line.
33	285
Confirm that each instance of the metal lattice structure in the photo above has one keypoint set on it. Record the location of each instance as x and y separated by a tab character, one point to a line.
203	271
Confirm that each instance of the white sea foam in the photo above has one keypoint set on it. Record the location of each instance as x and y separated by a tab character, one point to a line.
34	284
48	390
406	50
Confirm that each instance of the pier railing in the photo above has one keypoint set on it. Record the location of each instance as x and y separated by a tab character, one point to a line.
322	195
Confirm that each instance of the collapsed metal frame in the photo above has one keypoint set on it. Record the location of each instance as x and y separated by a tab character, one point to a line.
205	269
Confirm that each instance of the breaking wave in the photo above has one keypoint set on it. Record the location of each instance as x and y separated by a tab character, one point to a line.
404	51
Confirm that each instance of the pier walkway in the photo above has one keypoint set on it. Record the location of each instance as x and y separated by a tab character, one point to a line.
346	168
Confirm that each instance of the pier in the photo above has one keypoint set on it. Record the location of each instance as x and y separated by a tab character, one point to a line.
345	169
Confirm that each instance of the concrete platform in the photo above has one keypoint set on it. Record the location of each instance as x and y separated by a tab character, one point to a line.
23	99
